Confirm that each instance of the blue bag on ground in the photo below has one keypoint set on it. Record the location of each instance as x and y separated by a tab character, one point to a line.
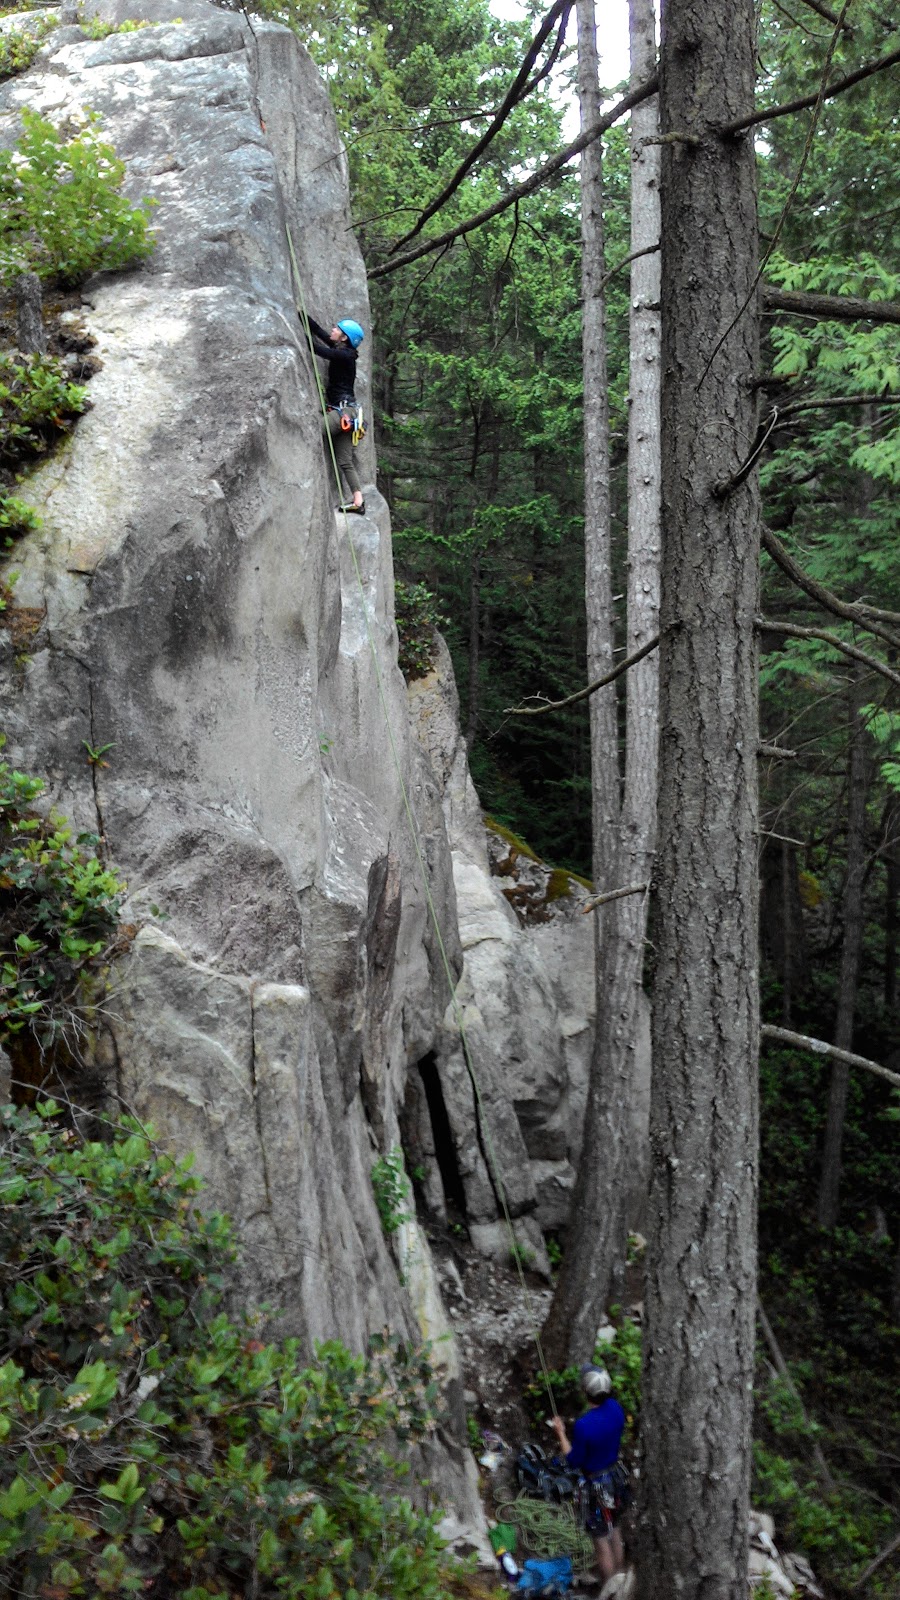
546	1578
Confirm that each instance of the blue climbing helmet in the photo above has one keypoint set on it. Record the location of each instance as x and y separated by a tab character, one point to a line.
353	331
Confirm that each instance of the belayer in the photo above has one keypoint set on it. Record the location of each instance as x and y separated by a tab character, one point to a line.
339	349
603	1491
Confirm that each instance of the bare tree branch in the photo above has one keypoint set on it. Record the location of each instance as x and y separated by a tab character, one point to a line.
826	12
769	113
784	1372
648	250
613	894
826	402
850	650
601	683
882	1556
775	752
818	1047
528	185
818	592
517	91
829	307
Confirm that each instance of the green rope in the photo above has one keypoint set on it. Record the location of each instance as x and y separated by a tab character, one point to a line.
544	1530
490	1151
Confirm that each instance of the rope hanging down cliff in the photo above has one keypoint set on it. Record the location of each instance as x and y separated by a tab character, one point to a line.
490	1150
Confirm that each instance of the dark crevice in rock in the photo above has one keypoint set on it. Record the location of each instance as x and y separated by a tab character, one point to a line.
442	1135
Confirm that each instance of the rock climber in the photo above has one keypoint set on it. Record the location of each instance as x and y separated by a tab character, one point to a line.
594	1453
339	349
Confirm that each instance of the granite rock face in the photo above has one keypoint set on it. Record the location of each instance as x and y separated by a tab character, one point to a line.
526	997
204	615
285	1009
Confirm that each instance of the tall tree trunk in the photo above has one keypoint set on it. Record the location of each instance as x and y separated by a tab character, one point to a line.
851	947
701	1275
597	531
572	1322
638	824
891	899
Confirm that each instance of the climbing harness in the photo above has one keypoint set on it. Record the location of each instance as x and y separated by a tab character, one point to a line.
601	1499
351	415
489	1149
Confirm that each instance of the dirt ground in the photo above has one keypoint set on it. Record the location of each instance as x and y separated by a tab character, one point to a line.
494	1324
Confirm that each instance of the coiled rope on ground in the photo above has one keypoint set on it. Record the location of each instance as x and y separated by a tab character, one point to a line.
545	1529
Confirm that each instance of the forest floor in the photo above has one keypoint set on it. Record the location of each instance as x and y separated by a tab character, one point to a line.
495	1323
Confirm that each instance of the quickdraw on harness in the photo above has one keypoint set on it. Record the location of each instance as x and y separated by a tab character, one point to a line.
351	415
600	1499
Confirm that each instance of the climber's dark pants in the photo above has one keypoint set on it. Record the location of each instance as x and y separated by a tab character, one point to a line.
342	439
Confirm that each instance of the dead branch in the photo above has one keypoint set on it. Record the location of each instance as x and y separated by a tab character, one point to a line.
829	307
613	894
634	97
818	1047
775	751
850	650
582	694
817	591
838	400
769	113
882	1556
826	12
784	1372
648	250
517	92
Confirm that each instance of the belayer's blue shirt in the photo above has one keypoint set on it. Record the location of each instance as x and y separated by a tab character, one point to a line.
596	1438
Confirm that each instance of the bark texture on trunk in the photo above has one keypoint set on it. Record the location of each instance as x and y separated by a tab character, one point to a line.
597	535
637	834
572	1322
851	947
612	1171
891	900
701	1276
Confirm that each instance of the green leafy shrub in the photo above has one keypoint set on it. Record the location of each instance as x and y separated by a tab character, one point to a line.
391	1188
61	211
59	909
17	517
37	403
838	1528
146	1435
96	28
622	1360
417	616
19	46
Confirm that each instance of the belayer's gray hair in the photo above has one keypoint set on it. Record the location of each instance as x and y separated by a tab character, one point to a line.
595	1381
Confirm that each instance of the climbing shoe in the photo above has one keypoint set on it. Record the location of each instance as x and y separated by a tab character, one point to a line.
358	511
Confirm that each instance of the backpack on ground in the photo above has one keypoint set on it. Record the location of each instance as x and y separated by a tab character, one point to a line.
545	1477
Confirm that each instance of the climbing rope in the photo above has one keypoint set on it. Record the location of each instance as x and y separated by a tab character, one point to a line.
490	1152
543	1529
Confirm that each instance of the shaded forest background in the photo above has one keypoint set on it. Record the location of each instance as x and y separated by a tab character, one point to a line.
477	407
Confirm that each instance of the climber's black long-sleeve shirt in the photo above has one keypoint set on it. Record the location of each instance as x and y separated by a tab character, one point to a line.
341	360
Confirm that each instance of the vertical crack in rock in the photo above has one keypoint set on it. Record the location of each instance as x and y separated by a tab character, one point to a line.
483	1143
260	1131
95	773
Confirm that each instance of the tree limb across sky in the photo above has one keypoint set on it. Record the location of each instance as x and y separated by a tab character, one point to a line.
528	185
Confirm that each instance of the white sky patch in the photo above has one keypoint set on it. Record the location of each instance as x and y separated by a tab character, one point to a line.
612	45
